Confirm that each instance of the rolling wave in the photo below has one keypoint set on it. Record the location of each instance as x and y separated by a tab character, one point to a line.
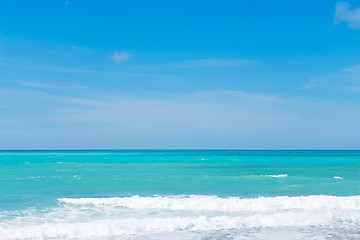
107	218
214	203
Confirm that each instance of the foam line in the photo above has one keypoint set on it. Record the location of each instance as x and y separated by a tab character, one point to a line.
213	203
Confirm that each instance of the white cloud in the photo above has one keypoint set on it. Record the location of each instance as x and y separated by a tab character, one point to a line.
316	82
259	97
352	69
120	56
82	49
220	119
344	81
343	13
78	70
38	84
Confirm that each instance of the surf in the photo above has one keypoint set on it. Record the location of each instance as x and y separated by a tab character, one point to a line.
91	218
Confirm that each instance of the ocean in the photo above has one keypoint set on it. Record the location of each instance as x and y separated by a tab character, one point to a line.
179	194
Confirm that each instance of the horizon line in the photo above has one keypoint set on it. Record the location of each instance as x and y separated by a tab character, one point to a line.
174	149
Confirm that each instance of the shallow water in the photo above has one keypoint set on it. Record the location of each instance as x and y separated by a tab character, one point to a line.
179	194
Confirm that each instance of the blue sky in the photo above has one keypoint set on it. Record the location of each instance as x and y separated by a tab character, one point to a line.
180	74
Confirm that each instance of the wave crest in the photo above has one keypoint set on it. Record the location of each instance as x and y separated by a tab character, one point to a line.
99	218
214	203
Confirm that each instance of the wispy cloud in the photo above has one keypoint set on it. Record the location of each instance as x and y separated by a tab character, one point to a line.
344	80
316	82
215	62
67	3
82	49
343	13
120	56
259	97
77	70
39	84
352	69
236	119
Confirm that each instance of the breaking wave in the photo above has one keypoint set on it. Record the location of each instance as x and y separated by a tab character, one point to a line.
87	218
214	203
278	175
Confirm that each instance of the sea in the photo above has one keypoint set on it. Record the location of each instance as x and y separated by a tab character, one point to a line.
179	194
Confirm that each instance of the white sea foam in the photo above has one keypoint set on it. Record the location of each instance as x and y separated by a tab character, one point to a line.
100	218
132	226
213	203
278	176
336	177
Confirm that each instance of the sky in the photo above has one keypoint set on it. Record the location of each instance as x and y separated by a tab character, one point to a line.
184	74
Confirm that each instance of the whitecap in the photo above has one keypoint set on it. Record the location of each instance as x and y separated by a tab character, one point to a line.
118	218
278	176
214	203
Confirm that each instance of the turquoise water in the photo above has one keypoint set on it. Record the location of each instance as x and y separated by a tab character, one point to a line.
38	187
